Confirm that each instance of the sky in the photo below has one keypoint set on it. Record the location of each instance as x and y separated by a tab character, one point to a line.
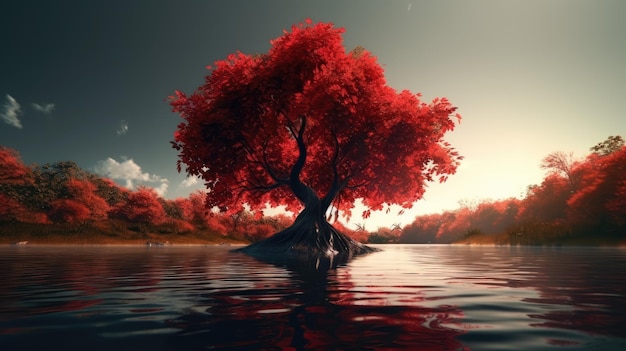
88	81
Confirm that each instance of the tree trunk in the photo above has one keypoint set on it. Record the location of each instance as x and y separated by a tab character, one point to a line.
310	238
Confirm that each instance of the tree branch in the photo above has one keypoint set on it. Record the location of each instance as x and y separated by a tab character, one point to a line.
301	191
335	187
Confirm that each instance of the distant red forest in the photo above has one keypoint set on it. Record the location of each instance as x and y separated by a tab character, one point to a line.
64	193
578	198
579	201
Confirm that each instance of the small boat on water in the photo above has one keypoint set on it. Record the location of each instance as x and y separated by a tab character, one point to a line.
157	243
21	243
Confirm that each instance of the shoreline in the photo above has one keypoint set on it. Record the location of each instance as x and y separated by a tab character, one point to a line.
119	245
109	242
106	233
236	244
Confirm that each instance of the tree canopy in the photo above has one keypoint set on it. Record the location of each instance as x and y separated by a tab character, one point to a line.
610	145
579	199
308	120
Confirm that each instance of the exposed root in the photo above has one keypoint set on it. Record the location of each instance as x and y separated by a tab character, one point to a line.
308	240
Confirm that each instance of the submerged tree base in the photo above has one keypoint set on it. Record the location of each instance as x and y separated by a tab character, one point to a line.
313	244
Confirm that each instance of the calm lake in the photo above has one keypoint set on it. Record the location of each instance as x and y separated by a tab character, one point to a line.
406	297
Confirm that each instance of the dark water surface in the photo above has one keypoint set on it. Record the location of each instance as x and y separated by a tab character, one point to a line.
405	297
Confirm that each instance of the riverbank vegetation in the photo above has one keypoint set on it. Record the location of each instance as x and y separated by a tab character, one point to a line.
580	202
61	203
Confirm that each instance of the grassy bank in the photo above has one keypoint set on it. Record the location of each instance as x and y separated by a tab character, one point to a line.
105	233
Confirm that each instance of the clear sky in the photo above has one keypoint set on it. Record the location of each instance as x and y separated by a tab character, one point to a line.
87	81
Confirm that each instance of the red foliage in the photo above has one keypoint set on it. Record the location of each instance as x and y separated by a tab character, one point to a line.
185	208
142	206
359	235
193	208
12	170
546	202
110	191
423	230
181	226
489	217
69	211
216	224
495	217
259	231
308	114
196	208
8	208
282	221
455	225
617	205
84	192
579	197
384	235
13	210
601	196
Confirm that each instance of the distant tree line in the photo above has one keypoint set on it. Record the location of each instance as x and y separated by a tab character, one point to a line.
584	197
63	192
578	197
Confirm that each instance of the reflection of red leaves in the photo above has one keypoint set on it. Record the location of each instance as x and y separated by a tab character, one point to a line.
74	305
145	310
560	342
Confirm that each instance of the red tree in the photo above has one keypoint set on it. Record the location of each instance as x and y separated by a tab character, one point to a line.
423	230
142	206
12	170
84	192
617	205
309	125
456	224
360	234
546	202
69	211
82	203
601	197
13	210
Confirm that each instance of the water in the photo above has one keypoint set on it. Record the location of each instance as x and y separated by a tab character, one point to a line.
405	297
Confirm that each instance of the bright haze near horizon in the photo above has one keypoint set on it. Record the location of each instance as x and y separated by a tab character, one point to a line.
88	81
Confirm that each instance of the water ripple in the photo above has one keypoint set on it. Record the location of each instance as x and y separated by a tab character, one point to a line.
405	297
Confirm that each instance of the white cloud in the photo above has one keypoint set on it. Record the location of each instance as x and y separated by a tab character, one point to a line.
131	173
46	109
123	128
161	189
10	112
190	181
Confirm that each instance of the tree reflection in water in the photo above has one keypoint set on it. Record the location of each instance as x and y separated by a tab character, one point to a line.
405	297
317	308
